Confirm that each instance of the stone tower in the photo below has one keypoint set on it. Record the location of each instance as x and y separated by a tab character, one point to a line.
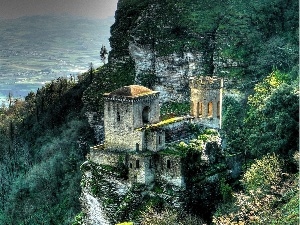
125	111
206	100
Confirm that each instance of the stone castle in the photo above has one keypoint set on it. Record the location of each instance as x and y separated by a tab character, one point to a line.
136	136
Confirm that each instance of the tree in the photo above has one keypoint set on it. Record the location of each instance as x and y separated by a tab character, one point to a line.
10	99
103	54
168	217
269	196
91	72
271	124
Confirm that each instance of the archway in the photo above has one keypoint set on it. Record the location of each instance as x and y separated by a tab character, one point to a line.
145	114
199	108
210	109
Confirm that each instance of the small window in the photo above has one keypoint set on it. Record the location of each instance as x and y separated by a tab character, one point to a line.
137	147
159	139
137	164
130	165
118	117
150	163
168	164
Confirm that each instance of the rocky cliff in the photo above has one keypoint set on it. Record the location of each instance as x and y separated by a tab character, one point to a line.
167	74
152	45
109	197
165	50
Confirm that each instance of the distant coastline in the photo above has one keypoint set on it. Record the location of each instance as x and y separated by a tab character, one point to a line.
38	49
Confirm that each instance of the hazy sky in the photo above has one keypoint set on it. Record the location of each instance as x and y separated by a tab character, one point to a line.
86	8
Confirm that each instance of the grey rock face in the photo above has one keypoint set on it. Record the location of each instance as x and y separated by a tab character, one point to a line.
171	73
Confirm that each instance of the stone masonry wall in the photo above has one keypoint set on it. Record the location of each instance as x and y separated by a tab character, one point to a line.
169	170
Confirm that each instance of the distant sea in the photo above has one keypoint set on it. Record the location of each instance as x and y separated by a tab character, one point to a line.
37	49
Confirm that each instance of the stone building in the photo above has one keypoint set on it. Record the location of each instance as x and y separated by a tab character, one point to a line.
135	136
127	109
133	133
206	100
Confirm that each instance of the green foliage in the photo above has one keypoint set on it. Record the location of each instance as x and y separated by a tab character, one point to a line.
148	80
125	223
272	120
56	165
226	191
269	197
172	109
78	219
263	174
168	217
200	174
232	124
106	79
46	139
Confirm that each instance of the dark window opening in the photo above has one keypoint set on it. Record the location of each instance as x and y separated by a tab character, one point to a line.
168	164
200	107
130	165
137	164
150	163
145	114
159	139
118	117
137	147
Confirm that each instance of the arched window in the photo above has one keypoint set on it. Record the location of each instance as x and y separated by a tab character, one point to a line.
199	108
210	109
192	109
137	147
145	114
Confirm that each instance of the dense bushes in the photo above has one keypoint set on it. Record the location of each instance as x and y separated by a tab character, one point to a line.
268	196
47	140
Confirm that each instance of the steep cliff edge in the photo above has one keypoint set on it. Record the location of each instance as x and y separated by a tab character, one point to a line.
109	196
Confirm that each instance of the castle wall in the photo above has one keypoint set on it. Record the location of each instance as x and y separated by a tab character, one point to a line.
122	115
169	170
155	140
177	131
119	132
103	157
140	169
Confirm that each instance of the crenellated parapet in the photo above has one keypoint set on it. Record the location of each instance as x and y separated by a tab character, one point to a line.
206	82
142	97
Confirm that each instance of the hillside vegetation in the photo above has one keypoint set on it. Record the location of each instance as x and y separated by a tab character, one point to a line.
44	139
